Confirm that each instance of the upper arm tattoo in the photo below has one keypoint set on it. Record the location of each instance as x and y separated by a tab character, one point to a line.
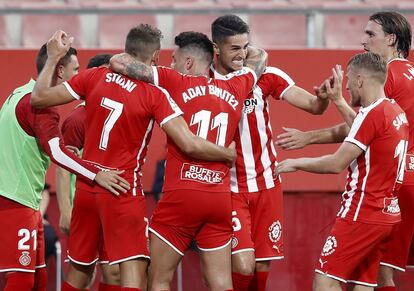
140	71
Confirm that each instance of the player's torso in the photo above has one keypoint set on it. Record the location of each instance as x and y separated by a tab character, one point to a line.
212	111
370	192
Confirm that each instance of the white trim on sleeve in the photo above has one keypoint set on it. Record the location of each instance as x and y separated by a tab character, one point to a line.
357	143
73	93
155	73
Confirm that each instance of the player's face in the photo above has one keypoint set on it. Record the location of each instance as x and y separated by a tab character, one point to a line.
71	69
352	87
232	52
375	39
178	61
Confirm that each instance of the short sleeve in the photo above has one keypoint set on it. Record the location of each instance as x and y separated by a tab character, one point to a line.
78	84
164	107
242	81
166	77
275	82
363	129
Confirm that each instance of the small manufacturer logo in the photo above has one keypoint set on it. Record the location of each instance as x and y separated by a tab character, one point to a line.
234	242
275	231
322	262
25	259
330	246
391	206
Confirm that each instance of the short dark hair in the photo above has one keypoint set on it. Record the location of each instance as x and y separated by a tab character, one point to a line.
142	41
42	57
228	25
196	42
99	60
371	62
394	23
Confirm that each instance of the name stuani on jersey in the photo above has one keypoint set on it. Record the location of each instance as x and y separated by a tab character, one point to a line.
121	81
199	91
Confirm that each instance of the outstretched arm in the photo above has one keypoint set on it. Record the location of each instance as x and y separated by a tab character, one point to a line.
293	139
195	146
125	64
330	164
300	98
256	60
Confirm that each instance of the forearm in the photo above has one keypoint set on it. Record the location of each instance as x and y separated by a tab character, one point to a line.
321	165
346	111
63	189
335	134
39	95
319	105
204	150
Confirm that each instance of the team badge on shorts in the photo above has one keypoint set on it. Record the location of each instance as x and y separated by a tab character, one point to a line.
275	231
25	259
330	246
234	242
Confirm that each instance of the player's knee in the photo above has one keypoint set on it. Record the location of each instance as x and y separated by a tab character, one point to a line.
111	275
244	267
19	281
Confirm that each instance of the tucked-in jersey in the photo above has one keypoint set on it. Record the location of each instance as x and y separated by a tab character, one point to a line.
120	117
255	167
400	87
212	109
381	131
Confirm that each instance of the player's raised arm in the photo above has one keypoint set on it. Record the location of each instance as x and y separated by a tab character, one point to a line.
43	94
195	146
127	65
256	60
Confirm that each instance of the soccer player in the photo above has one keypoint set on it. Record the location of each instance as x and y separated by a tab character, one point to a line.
375	151
73	132
196	202
388	34
256	190
29	139
120	117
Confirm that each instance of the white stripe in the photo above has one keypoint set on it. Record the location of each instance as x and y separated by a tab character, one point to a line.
73	93
242	251
283	75
248	155
353	184
166	241
174	107
143	145
265	157
83	263
215	249
128	259
270	259
67	161
362	283
357	143
156	78
41	266
16	270
168	118
393	266
330	276
234	186
364	182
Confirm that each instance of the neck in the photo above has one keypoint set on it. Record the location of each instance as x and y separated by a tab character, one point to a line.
200	70
372	94
220	69
392	55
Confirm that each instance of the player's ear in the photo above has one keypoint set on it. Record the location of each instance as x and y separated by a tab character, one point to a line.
392	39
360	80
59	71
155	58
189	63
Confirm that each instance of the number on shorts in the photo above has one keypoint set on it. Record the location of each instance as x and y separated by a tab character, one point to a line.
400	152
202	118
115	109
235	221
24	233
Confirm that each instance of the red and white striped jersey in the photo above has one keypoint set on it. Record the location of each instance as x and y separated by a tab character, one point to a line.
255	167
120	114
400	87
212	109
381	131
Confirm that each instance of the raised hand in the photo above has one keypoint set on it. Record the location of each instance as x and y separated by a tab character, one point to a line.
112	181
58	45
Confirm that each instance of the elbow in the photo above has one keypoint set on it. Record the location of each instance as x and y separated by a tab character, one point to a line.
189	149
36	100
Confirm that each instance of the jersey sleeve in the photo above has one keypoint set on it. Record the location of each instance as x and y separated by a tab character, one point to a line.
164	107
78	84
167	78
242	81
275	82
363	130
389	85
73	128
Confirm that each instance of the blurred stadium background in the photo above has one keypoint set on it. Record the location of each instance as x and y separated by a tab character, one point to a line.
305	38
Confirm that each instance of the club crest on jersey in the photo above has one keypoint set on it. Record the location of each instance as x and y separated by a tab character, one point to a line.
330	246
25	259
391	206
249	105
234	242
200	174
275	231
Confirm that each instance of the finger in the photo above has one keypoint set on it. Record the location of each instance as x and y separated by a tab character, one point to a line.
335	76
283	141
119	187
328	87
124	182
112	190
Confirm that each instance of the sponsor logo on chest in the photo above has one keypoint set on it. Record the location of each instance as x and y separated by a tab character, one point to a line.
200	174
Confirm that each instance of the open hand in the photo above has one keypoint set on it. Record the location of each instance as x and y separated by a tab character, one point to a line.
292	139
112	181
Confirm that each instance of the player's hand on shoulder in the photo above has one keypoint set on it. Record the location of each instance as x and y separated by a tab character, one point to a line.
74	150
58	45
112	181
292	139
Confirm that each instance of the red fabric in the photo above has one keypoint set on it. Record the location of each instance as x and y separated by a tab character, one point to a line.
387	288
241	282
40	283
120	117
212	109
67	287
381	131
106	287
256	127
21	281
130	289
43	124
259	281
73	128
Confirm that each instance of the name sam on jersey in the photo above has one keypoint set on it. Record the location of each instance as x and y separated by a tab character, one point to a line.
200	174
121	81
400	120
199	91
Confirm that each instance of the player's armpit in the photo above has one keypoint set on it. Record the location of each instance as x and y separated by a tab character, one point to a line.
195	146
